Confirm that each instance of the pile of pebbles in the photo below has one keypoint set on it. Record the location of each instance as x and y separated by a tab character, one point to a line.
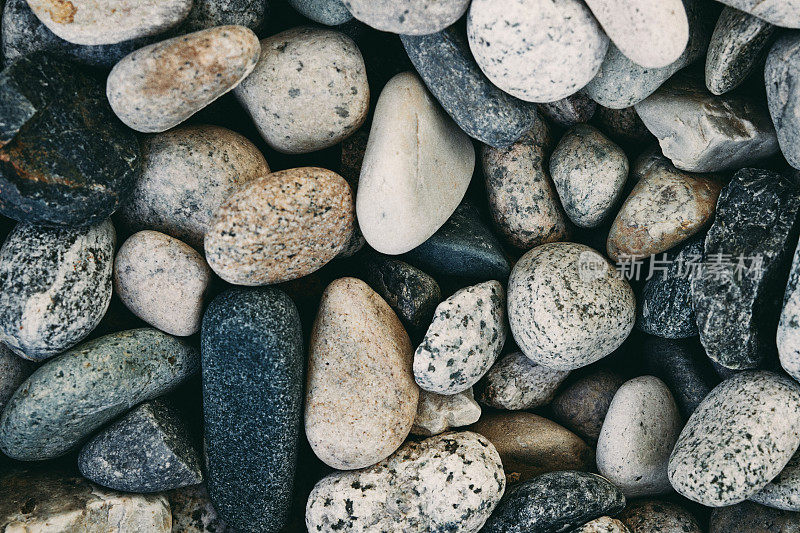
400	266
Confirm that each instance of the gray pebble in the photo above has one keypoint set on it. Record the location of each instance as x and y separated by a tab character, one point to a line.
583	404
207	14
783	492
657	516
784	13
623	125
516	382
437	413
749	516
411	17
13	371
604	524
328	12
781	72
573	109
788	337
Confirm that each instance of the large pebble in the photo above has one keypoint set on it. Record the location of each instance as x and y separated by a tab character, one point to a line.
656	516
361	397
749	516
161	85
280	227
536	50
193	512
573	109
416	168
71	396
328	12
583	404
450	482
567	306
783	491
780	74
784	13
516	382
14	370
788	337
412	17
437	413
739	438
56	286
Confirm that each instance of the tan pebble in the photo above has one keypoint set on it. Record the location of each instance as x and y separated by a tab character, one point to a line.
436	413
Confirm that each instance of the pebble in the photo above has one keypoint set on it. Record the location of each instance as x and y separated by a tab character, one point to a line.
583	404
352	150
516	383
788	337
56	286
567	306
483	111
555	501
623	126
328	12
159	86
748	516
47	107
464	339
13	372
573	109
437	413
736	50
657	516
361	397
89	22
163	281
252	358
186	174
450	482
736	313
207	14
309	90
783	492
604	524
530	445
780	72
147	450
739	438
640	429
72	395
785	14
536	50
39	501
280	227
193	512
413	17
522	199
701	132
405	195
589	172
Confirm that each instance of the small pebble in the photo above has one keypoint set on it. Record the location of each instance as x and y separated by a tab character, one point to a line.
749	516
582	405
656	516
437	413
412	17
516	383
785	13
604	524
573	109
783	492
780	72
328	12
192	511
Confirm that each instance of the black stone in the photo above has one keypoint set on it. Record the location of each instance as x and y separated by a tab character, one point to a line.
574	109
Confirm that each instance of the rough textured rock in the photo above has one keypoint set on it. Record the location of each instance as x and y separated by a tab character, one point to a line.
656	516
748	516
779	13
328	12
359	355
567	112
780	72
56	286
282	226
413	17
13	371
737	308
252	352
437	413
604	524
783	492
193	512
207	14
788	337
516	382
72	395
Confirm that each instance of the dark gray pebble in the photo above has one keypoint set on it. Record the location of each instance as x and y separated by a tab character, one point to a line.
567	112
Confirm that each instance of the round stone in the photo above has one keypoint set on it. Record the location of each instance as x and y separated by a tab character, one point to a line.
582	405
437	413
412	17
516	382
656	516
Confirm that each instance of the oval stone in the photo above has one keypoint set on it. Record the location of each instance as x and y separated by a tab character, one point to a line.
412	17
516	382
328	12
583	404
656	516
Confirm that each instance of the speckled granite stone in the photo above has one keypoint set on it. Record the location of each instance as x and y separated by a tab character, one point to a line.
573	109
56	286
437	413
411	17
13	371
417	488
72	395
788	337
207	14
749	516
656	516
583	404
252	352
604	524
783	492
781	71
516	382
193	512
328	12
784	13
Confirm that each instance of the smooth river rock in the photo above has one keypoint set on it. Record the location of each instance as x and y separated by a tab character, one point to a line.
437	413
516	382
784	13
328	12
781	71
207	14
582	405
14	370
657	516
412	17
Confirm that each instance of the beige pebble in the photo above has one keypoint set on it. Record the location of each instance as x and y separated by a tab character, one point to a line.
437	413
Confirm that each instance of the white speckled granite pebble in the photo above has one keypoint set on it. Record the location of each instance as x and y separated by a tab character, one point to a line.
437	413
516	382
409	17
784	13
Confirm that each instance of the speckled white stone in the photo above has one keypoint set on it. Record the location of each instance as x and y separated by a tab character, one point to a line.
436	413
784	13
516	382
783	492
409	17
604	524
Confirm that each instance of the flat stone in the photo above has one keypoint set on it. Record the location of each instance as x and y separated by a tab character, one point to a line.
280	227
748	516
447	482
72	395
570	110
604	524
737	48
783	492
404	196
589	172
555	501
536	50
328	12
159	86
483	111
530	445
56	286
193	512
437	413
47	108
781	70
583	404
464	339
413	17
657	516
252	352
737	313
739	438
567	306
623	125
361	397
516	382
207	14
788	337
14	370
780	13
701	132
522	199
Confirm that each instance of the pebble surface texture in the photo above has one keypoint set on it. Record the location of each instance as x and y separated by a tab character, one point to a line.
781	71
252	358
583	404
56	286
756	217
784	13
163	281
536	50
522	199
604	524
90	22
147	450
788	338
449	482
437	413
13	371
206	14
783	492
655	516
567	306
589	172
280	227
555	502
412	17
72	395
193	512
483	111
186	174
516	382
328	12
748	516
159	86
416	168
739	438
463	341
361	397
309	90
67	160
567	112
623	125
36	501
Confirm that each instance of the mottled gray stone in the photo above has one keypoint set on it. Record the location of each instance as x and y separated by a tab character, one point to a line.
207	14
784	13
788	337
56	286
781	72
749	516
583	404
604	524
516	382
573	109
13	371
193	512
72	395
411	17
328	12
623	125
783	492
437	413
657	516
